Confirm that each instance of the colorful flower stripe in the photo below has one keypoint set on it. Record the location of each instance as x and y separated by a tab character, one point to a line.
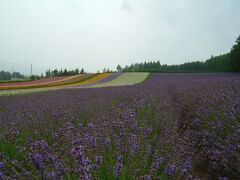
99	78
92	80
31	82
70	80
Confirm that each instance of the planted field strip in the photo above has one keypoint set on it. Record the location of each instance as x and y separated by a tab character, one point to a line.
66	81
108	79
10	82
101	80
124	79
30	82
93	80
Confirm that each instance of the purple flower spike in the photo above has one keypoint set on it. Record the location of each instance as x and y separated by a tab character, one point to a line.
171	170
187	166
222	178
2	166
51	175
146	177
90	126
98	160
38	160
118	166
59	168
2	176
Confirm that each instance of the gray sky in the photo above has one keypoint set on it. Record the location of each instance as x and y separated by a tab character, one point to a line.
103	33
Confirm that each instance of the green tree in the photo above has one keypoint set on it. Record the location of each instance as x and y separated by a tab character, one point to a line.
234	62
82	71
119	68
77	71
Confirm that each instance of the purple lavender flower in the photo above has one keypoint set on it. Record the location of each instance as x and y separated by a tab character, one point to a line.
87	166
51	176
90	126
26	173
59	167
133	143
38	160
2	176
2	166
222	178
171	170
91	140
78	152
84	165
54	135
43	145
146	177
70	126
187	166
51	156
78	142
148	131
80	126
156	164
107	143
118	166
98	160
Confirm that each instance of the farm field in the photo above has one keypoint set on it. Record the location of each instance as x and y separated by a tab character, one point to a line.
170	126
49	82
100	80
13	81
30	82
89	81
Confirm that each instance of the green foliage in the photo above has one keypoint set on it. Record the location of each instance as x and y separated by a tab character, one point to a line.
34	77
234	62
82	71
65	72
119	68
8	148
5	75
14	81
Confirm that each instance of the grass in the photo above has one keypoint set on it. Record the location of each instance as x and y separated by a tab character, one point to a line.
15	81
124	79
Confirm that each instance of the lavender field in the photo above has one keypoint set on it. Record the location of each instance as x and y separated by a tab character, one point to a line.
171	126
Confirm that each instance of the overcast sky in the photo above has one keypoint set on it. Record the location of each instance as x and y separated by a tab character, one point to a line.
103	33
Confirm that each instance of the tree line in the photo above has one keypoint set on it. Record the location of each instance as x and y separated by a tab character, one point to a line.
5	75
229	62
65	72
